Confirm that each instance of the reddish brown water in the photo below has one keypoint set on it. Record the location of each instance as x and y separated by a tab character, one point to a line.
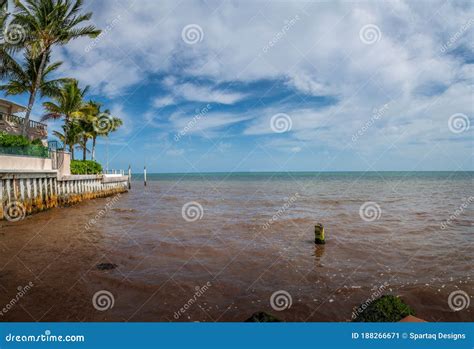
241	253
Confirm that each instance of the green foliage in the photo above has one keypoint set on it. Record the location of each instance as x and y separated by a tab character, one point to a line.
262	316
19	145
8	140
37	141
387	308
80	167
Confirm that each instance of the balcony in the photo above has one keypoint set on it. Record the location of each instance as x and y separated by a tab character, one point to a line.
13	124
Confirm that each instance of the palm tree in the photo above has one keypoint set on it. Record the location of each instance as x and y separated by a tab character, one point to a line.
70	136
84	120
82	145
23	77
3	15
100	122
47	23
67	104
93	110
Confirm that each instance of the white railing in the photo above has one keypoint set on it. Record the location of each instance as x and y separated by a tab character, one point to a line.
114	172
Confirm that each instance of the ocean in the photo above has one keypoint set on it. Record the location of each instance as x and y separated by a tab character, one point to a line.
219	247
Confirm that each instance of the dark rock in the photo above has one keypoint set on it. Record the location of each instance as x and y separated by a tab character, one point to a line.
261	316
106	266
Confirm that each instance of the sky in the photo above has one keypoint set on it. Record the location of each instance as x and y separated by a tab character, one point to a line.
219	86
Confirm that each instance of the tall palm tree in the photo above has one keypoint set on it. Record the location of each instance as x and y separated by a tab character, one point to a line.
84	121
22	77
3	22
67	104
82	145
3	15
48	23
70	136
93	111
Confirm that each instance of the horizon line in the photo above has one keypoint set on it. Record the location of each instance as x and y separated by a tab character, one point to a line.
336	171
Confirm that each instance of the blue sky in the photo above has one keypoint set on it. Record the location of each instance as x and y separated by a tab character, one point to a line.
281	86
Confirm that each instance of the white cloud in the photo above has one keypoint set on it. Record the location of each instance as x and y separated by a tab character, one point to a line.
204	124
161	102
321	54
197	93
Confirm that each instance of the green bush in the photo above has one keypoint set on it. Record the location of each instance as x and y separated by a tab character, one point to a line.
385	309
80	167
262	316
19	145
7	140
37	141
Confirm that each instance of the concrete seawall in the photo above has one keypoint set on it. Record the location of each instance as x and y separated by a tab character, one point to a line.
23	192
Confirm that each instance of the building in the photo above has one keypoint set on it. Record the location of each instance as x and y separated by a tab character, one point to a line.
12	123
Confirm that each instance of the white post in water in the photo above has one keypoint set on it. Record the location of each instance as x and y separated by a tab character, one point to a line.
129	177
144	175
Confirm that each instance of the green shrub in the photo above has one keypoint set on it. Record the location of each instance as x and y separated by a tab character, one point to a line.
19	145
262	316
37	141
7	140
80	167
385	309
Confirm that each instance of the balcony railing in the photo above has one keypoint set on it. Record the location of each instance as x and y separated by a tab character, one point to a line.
18	120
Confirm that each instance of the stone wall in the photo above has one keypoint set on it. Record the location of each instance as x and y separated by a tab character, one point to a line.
24	163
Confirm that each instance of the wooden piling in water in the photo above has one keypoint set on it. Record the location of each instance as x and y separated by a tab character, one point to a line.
144	175
319	238
129	177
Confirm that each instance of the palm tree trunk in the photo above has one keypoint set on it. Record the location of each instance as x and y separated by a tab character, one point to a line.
31	101
84	150
66	135
93	147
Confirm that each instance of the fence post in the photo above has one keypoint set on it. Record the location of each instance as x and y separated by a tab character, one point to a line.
144	175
